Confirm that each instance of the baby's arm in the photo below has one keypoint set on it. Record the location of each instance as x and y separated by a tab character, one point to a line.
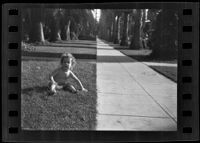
76	78
53	84
52	75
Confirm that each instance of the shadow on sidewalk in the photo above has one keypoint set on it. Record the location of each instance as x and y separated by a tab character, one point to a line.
142	55
114	59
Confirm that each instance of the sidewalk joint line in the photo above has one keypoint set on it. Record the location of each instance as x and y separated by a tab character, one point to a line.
119	93
150	95
165	109
133	116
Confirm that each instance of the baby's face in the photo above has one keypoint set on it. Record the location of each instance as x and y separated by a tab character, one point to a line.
66	64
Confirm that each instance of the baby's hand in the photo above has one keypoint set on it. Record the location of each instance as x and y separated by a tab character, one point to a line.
52	92
85	90
55	83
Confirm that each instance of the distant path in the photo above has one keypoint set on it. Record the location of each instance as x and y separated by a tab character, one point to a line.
132	96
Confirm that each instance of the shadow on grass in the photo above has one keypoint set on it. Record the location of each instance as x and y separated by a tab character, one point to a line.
75	41
46	59
56	55
41	90
169	72
78	42
69	45
151	58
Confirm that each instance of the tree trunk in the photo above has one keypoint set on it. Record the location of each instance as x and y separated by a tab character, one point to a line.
124	41
142	24
58	31
114	29
41	33
74	36
110	33
68	31
117	30
55	31
36	33
63	33
59	35
136	41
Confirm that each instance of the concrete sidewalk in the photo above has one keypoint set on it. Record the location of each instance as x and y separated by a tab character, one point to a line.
132	96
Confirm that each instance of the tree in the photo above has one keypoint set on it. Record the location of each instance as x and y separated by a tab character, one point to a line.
102	26
124	40
26	22
109	25
83	24
117	30
136	42
36	33
57	24
164	37
115	26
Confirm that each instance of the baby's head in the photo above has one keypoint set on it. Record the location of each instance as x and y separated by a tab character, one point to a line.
68	61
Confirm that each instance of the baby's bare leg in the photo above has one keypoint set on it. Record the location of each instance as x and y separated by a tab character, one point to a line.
69	88
52	87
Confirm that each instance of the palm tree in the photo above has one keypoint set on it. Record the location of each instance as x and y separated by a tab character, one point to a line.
36	33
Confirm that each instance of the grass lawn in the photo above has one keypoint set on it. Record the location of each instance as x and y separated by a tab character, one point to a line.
76	47
64	111
170	72
80	49
143	56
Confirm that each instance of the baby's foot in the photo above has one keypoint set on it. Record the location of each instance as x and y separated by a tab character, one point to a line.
74	91
50	92
70	88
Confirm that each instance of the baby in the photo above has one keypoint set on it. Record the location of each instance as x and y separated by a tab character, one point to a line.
59	77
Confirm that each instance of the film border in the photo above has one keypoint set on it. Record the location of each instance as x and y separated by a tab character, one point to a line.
188	69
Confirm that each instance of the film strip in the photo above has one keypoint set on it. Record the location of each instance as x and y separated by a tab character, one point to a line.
188	94
187	67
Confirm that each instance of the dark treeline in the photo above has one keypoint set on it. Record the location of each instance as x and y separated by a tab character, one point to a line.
155	29
41	25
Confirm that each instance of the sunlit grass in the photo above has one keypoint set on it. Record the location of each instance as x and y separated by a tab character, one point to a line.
64	111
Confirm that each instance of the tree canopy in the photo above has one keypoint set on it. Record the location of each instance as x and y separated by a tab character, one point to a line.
154	29
49	24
